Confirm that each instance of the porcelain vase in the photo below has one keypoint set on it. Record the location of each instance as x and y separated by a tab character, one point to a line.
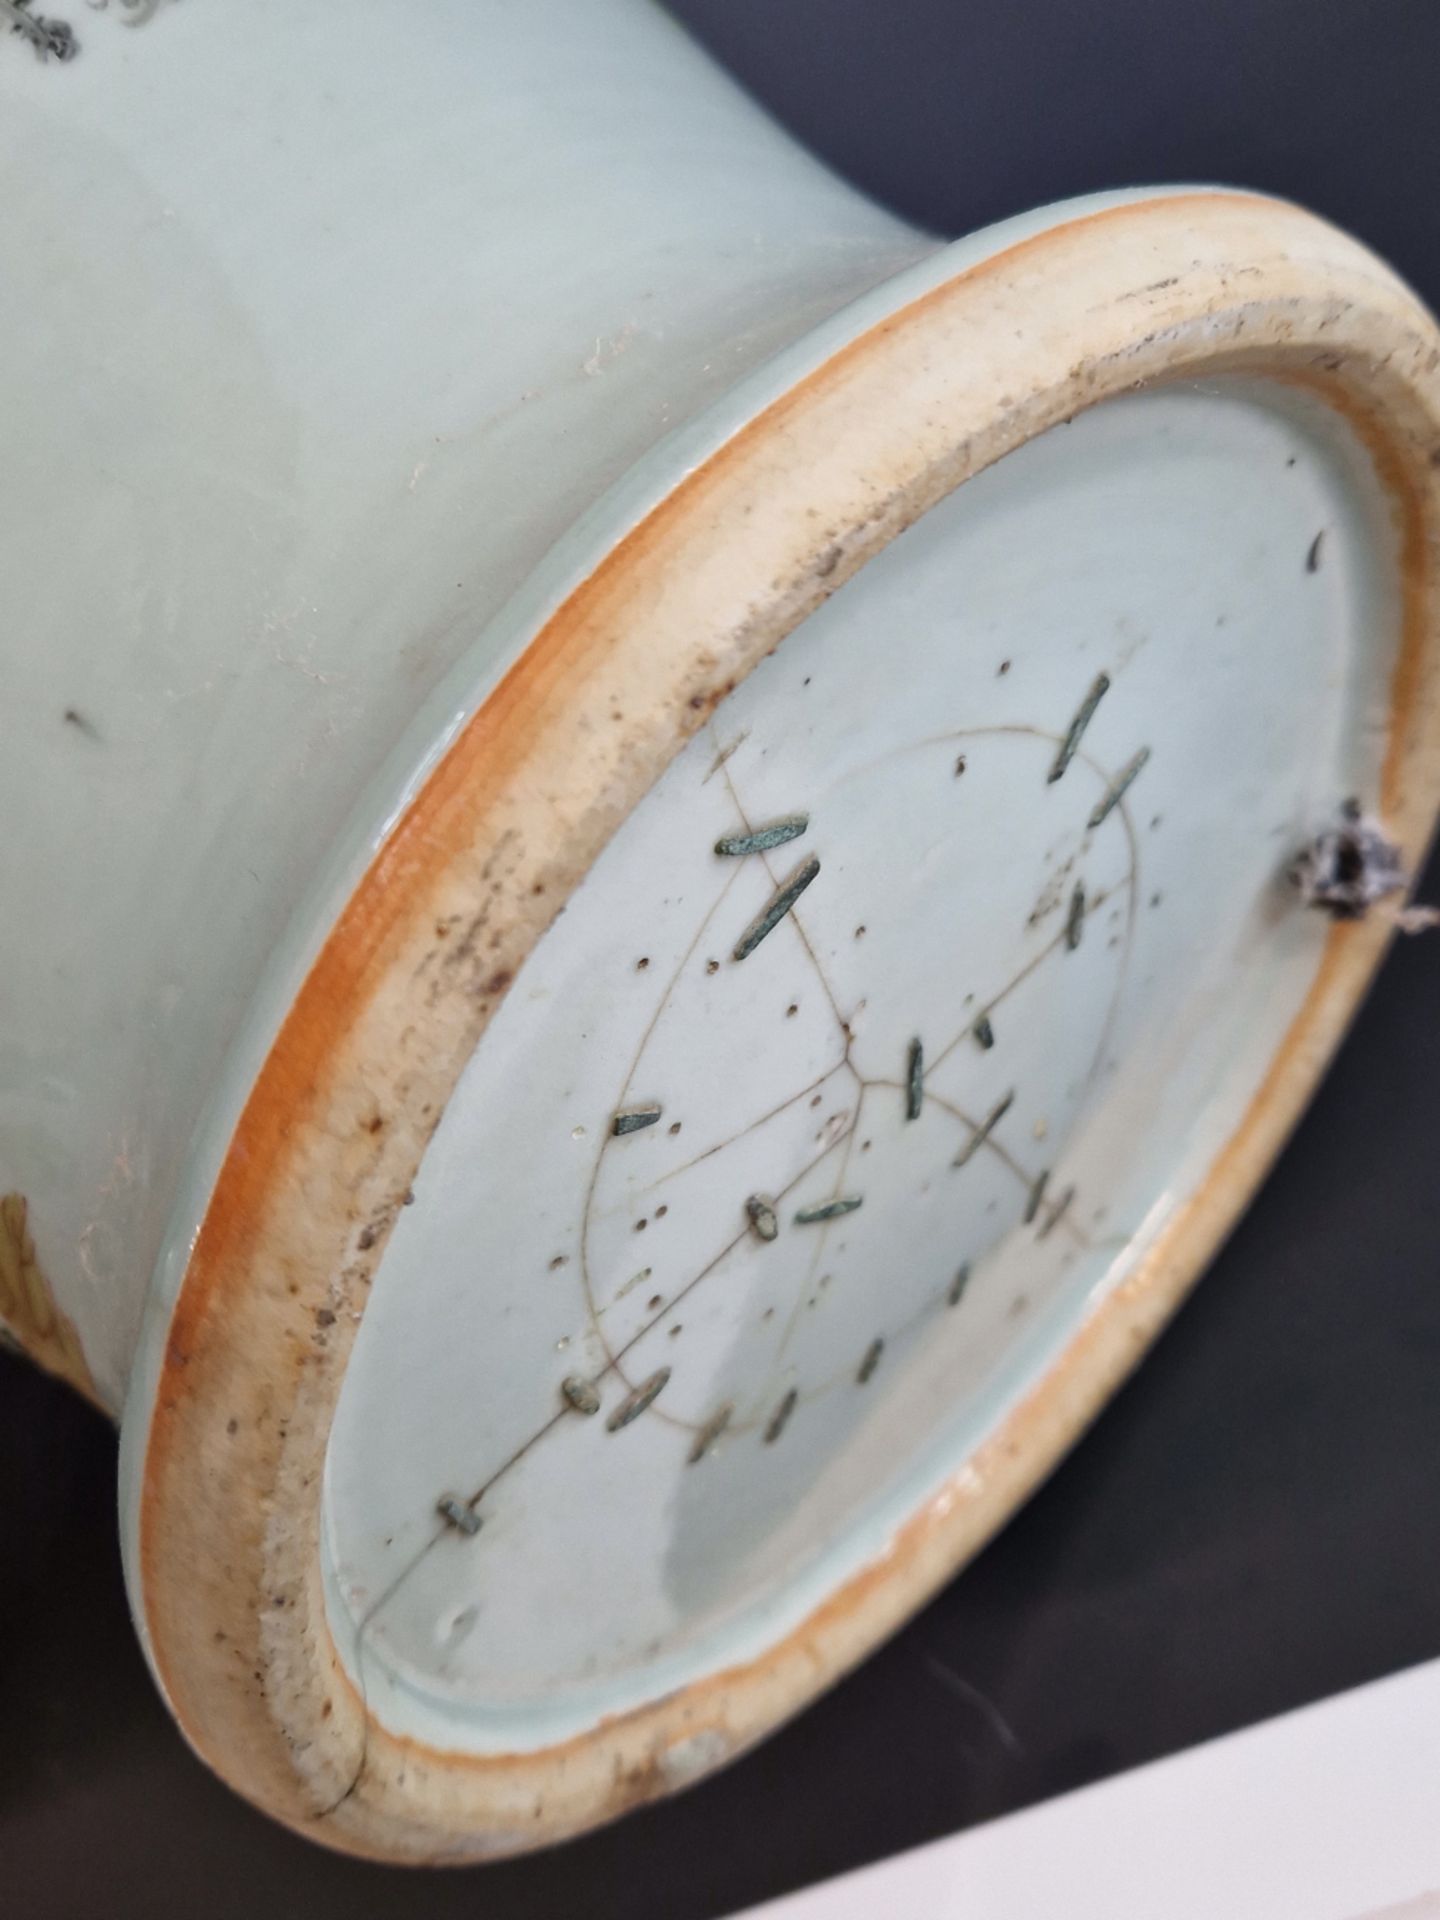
651	912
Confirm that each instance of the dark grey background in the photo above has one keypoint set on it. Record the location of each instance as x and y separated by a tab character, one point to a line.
1254	1523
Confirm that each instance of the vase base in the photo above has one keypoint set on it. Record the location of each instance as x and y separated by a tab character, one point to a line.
803	1037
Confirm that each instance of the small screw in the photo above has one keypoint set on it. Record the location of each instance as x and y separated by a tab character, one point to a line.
710	1433
763	839
1117	789
1037	1194
830	1210
1075	920
780	1417
914	1080
580	1394
762	1217
1084	715
464	1519
779	906
635	1403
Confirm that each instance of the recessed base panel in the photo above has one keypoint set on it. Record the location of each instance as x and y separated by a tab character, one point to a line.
892	1026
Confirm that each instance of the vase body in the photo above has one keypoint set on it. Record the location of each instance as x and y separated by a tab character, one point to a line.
313	395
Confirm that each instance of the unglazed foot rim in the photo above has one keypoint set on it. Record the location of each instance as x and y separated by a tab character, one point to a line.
225	1542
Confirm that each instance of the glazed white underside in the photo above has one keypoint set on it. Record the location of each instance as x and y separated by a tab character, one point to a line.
1165	540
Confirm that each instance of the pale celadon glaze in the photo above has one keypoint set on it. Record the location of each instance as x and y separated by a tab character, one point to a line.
1163	543
323	412
303	400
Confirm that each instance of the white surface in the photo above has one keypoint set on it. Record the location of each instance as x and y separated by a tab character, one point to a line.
1161	539
1331	1813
